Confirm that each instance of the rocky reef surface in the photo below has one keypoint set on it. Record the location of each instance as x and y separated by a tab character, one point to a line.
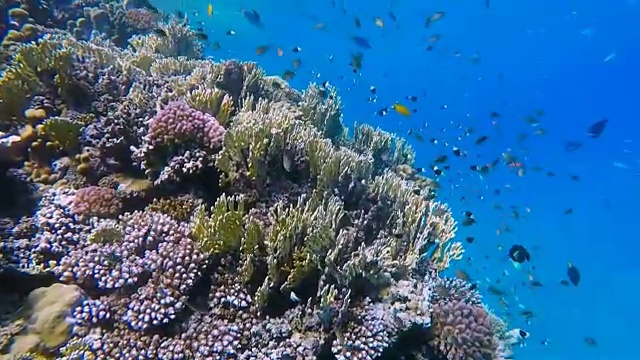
158	205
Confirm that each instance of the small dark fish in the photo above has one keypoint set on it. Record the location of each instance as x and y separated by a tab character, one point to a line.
202	36
482	139
288	75
575	177
412	98
568	211
230	32
357	22
287	161
590	341
519	254
356	61
467	214
361	42
528	314
262	49
473	286
297	49
596	129
574	274
495	291
470	239
570	146
198	299
494	115
544	342
253	17
462	275
440	159
159	32
468	222
564	282
433	18
536	283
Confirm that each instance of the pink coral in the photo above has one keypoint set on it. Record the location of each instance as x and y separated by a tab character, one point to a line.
465	332
180	124
96	201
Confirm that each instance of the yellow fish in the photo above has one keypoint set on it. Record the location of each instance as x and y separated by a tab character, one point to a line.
210	9
401	109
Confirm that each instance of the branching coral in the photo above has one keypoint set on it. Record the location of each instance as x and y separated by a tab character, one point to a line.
220	232
388	150
21	80
180	140
322	108
177	40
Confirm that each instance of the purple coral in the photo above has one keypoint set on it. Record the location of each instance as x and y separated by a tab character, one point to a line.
465	332
154	260
179	124
97	201
180	141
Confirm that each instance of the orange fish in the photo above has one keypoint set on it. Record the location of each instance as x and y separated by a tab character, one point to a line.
210	9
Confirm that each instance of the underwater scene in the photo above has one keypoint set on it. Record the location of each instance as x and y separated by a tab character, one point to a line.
327	179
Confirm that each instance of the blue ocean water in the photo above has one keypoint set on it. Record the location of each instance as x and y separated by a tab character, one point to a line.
571	62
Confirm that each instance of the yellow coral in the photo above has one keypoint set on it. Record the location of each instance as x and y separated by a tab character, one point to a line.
221	231
62	132
20	80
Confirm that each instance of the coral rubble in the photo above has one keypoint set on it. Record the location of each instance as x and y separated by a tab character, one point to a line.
203	210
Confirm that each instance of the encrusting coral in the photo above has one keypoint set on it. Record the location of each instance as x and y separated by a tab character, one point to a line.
209	211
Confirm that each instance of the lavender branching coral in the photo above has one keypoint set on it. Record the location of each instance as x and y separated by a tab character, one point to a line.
180	141
269	234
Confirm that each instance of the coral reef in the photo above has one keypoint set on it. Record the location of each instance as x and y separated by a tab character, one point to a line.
206	210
